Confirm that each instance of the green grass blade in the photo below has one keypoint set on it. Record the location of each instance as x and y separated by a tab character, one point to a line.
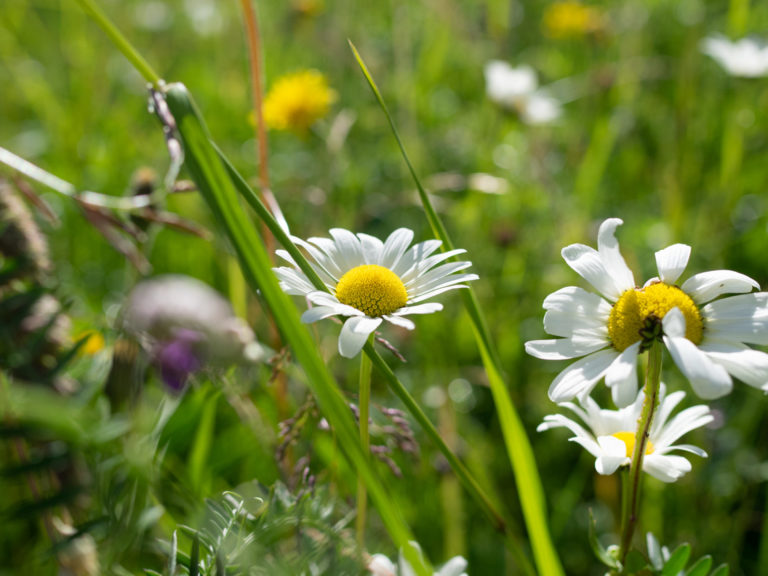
214	183
530	491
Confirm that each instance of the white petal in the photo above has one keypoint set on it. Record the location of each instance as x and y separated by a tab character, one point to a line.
323	252
621	376
614	454
350	252
672	261
687	420
433	278
563	348
324	299
571	310
421	266
318	313
707	286
398	321
416	254
580	377
665	468
445	288
293	282
372	248
614	263
749	366
380	565
708	379
427	308
540	108
395	246
354	333
583	437
454	567
738	318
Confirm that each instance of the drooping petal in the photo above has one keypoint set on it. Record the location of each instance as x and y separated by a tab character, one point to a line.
399	321
614	454
579	378
563	348
666	468
621	376
708	379
707	286
749	366
354	333
671	261
427	308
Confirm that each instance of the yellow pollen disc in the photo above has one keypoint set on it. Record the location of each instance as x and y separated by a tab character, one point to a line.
372	289
631	314
629	441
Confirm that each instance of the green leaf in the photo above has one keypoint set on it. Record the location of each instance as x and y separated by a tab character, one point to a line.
701	568
602	554
722	570
677	560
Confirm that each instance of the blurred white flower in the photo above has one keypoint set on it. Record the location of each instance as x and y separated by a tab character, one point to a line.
380	565
747	58
610	434
370	281
706	335
518	89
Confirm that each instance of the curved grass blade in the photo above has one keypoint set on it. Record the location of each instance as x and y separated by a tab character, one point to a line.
530	491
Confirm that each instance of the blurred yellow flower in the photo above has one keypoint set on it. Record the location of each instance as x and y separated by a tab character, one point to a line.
297	101
569	18
94	342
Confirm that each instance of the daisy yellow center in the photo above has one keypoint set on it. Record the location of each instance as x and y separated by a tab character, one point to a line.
629	441
372	289
637	315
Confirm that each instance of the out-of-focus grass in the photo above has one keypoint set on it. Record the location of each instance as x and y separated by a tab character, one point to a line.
650	135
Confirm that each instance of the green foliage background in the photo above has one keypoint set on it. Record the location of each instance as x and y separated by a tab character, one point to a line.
655	133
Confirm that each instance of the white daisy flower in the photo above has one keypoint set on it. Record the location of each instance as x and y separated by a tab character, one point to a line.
706	335
610	434
380	565
518	89
747	58
370	281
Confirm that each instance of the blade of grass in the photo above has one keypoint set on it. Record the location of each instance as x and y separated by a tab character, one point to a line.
530	491
218	190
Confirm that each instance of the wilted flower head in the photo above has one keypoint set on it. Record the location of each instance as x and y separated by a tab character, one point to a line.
747	58
706	335
517	89
297	101
380	565
185	324
569	18
370	281
610	434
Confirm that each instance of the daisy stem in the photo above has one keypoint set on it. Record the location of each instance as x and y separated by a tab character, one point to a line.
651	390
364	402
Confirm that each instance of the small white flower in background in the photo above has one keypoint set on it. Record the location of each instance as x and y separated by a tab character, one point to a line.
747	58
370	281
518	89
610	434
706	335
380	565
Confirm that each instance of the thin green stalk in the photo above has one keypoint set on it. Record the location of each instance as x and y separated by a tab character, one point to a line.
364	403
738	17
519	450
141	65
651	390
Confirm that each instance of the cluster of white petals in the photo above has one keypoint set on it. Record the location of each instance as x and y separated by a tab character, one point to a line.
380	565
602	436
746	58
